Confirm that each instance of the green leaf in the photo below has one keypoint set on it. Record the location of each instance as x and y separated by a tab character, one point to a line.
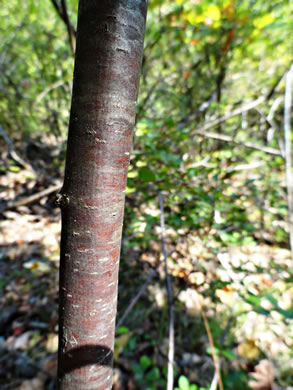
252	299
146	175
183	383
137	369
153	375
145	362
14	168
132	343
122	330
229	355
262	311
286	313
272	299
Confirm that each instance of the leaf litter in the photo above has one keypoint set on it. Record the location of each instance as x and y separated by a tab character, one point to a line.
251	283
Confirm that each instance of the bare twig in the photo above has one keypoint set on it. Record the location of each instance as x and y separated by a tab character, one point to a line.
136	298
227	138
288	151
215	380
70	29
30	199
14	155
227	328
245	167
62	12
201	110
6	138
170	379
213	351
141	108
249	106
238	111
270	119
48	90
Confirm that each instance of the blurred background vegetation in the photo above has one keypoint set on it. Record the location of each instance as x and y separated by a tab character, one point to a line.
209	136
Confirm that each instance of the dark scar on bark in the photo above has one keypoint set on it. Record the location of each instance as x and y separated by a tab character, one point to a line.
86	355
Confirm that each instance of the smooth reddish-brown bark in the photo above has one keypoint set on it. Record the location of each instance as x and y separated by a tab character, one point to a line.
109	50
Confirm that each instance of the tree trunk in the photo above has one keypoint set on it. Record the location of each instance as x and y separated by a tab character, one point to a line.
288	151
109	49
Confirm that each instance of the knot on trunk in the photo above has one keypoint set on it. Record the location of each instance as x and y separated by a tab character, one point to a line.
62	200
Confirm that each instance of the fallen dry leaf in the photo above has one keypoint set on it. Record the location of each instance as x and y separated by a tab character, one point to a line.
248	350
263	376
52	343
32	384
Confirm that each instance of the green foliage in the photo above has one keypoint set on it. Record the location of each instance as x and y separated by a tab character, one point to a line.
184	384
36	68
146	375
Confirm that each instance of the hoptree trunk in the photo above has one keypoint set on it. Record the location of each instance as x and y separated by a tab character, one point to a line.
109	50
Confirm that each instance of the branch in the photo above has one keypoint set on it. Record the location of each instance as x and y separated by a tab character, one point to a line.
238	111
11	150
6	138
62	12
171	349
141	108
273	126
212	345
249	106
227	138
201	110
30	199
47	90
216	377
136	298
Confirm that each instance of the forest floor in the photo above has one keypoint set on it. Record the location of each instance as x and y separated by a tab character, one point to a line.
244	292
